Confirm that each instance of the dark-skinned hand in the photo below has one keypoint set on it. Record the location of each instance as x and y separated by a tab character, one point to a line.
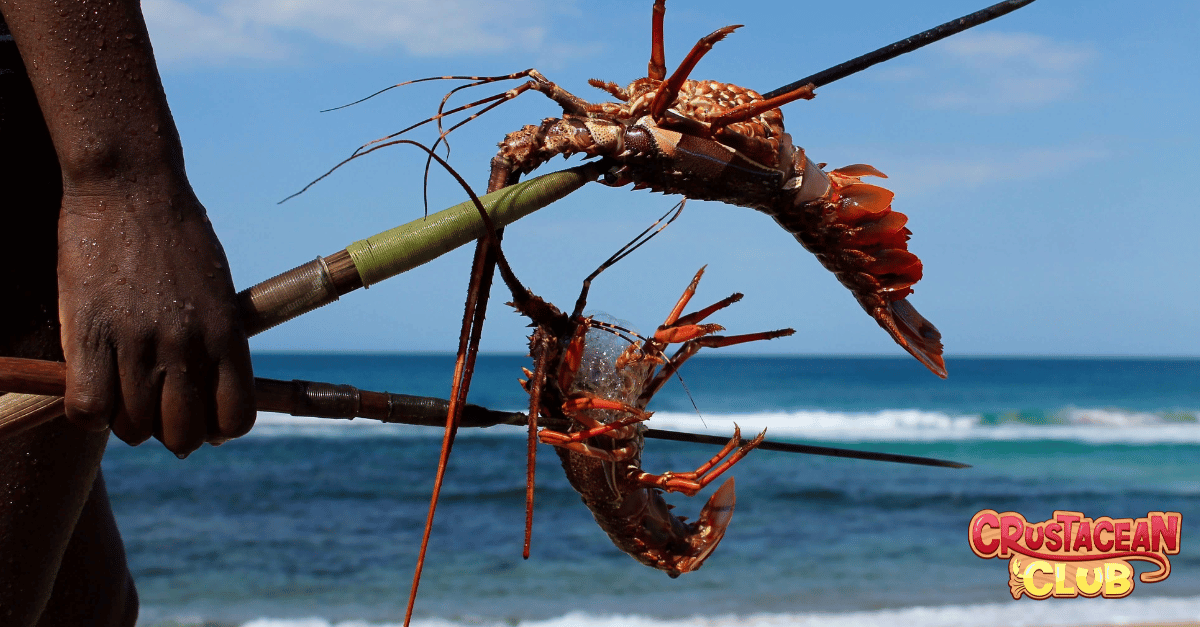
150	328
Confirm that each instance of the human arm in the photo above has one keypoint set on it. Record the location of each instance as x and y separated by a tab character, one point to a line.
150	328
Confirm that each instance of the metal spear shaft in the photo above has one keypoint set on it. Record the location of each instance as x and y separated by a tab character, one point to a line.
858	64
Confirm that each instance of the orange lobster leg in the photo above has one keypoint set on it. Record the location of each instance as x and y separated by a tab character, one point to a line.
670	89
684	299
690	483
617	430
572	406
616	455
744	112
658	59
676	330
691	347
557	438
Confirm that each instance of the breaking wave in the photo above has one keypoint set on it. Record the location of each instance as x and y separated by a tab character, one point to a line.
1091	425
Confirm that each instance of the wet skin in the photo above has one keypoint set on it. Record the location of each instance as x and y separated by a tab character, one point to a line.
145	312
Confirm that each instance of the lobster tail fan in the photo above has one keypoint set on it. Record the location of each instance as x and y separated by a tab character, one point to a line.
714	520
861	239
916	334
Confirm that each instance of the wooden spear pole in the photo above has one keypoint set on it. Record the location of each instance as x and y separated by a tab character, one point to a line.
38	385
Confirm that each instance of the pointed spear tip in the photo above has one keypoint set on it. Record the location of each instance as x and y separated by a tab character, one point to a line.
903	46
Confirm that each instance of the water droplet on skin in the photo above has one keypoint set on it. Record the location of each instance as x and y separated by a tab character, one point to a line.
121	281
154	128
102	206
181	455
113	268
143	290
218	265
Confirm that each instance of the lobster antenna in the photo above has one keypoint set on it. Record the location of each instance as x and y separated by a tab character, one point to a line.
633	245
617	330
903	46
480	80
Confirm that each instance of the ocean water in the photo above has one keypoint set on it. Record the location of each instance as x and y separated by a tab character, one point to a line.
317	523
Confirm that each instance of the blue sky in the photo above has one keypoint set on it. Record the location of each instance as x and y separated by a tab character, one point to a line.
1045	161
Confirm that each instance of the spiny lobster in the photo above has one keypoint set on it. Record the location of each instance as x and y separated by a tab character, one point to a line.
716	141
596	379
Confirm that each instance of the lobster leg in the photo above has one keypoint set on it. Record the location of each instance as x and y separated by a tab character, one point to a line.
558	438
616	455
690	483
676	329
670	89
658	59
674	319
685	298
691	347
744	112
697	316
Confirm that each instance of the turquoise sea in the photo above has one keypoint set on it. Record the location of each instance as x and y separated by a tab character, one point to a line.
313	523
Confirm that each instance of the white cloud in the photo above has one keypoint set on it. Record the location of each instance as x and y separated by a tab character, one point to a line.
991	72
220	31
180	33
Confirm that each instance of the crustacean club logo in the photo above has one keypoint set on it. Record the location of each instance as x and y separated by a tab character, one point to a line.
1072	555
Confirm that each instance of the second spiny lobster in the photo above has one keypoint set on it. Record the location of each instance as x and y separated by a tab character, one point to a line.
595	380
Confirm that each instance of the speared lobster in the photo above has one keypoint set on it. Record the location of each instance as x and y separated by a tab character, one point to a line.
596	378
716	141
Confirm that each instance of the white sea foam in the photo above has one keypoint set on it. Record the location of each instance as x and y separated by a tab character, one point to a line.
1096	426
1128	611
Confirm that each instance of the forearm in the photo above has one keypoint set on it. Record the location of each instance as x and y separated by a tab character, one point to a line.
92	66
150	330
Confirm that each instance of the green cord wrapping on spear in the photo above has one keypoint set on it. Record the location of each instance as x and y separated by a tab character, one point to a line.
410	245
366	262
